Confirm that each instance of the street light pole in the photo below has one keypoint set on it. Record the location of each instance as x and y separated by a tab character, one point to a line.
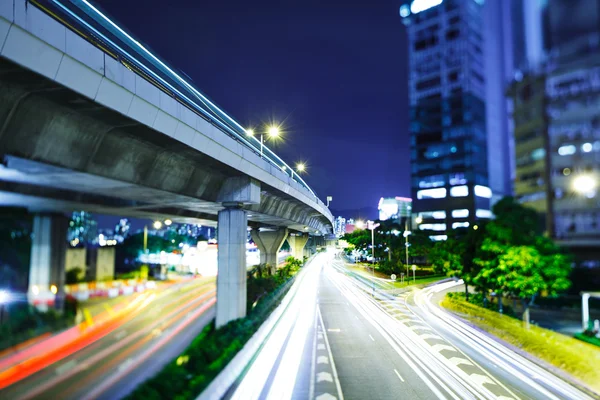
145	238
406	243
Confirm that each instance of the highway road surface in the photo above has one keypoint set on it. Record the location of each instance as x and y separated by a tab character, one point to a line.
110	360
336	340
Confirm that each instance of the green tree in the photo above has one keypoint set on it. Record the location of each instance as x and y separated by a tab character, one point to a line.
514	258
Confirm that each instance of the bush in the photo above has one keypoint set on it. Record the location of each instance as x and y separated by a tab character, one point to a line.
211	351
477	299
577	358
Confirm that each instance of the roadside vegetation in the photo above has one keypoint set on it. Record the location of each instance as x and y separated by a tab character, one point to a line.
579	359
188	375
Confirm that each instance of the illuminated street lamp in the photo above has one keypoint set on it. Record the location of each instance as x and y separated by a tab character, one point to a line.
272	132
300	167
157	224
168	222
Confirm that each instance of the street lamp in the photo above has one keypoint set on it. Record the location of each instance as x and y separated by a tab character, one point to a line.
272	132
300	167
372	226
3	300
168	222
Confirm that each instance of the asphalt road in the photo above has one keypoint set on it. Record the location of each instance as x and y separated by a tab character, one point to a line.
335	340
153	330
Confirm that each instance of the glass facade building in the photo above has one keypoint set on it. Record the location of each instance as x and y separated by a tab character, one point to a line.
459	63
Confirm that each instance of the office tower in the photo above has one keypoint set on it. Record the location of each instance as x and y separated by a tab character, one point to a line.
460	59
557	128
339	228
83	228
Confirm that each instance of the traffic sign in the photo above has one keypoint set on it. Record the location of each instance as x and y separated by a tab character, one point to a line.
393	277
414	267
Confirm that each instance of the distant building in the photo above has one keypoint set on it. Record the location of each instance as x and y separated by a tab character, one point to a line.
398	209
459	63
555	100
122	230
339	228
83	228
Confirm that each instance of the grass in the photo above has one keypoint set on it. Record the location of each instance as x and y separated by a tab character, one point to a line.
423	280
580	359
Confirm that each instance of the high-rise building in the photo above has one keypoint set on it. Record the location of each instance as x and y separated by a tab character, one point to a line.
339	228
555	99
460	59
83	228
397	209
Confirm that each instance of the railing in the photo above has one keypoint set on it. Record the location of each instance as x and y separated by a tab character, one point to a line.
97	28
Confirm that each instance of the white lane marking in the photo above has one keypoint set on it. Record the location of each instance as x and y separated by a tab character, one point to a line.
371	337
322	360
439	347
481	379
324	377
399	376
426	336
459	361
320	346
333	330
65	367
357	317
313	363
125	364
120	335
335	375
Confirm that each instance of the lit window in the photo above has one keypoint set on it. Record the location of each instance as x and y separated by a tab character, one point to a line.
457	179
433	227
538	154
459	191
418	6
438	193
460	225
462	213
433	214
437	238
432	181
567	150
587	147
483	191
483	214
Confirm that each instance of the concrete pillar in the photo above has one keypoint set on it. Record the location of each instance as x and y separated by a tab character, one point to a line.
231	278
297	244
269	243
47	264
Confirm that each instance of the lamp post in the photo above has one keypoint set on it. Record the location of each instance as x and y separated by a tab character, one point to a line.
372	226
272	132
407	233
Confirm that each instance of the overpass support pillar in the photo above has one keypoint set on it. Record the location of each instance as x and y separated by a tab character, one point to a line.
269	243
232	236
47	263
297	244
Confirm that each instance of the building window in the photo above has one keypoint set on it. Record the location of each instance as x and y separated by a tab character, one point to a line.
438	193
432	181
433	214
483	191
433	227
567	150
462	213
459	191
428	84
457	179
460	225
538	154
437	238
483	213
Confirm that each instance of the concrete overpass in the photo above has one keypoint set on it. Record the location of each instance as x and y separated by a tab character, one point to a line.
90	119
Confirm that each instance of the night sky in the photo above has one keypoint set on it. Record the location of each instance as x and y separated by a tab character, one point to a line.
334	72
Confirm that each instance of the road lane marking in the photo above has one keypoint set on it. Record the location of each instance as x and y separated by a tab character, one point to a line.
320	346
322	360
65	367
399	376
333	330
371	337
459	361
325	396
120	335
441	347
333	369
324	377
